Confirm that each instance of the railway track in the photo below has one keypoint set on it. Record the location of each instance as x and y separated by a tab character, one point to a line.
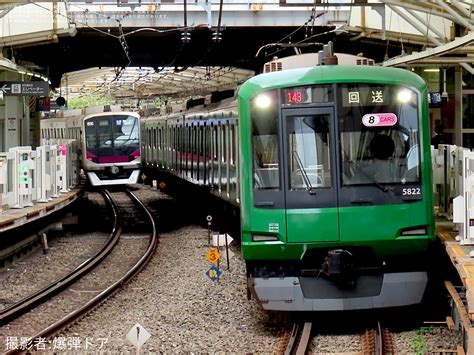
23	316
29	302
376	340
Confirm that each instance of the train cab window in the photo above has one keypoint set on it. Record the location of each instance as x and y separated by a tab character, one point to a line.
265	146
379	135
125	131
309	155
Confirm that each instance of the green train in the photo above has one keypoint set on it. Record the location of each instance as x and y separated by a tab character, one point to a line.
330	167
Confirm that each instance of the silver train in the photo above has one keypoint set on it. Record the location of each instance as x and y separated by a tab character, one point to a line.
109	141
197	144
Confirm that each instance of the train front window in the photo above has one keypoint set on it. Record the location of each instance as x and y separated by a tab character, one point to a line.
308	145
125	132
104	132
265	146
112	136
379	135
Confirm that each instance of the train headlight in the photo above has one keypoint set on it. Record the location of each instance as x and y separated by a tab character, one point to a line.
263	101
404	96
264	238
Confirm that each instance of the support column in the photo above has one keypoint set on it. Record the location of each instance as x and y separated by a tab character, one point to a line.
458	112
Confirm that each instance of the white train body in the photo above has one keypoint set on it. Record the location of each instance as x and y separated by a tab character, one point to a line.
109	141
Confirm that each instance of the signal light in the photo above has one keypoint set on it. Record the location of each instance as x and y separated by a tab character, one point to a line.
186	37
217	36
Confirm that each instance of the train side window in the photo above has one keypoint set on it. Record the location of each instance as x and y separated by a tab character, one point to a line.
216	143
224	143
232	145
153	138
160	142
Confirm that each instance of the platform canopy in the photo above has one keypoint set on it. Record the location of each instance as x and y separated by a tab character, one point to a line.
146	82
441	29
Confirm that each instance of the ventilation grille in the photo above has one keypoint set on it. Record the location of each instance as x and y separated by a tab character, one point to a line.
365	61
273	66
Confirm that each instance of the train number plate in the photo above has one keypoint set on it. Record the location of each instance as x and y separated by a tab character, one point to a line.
409	192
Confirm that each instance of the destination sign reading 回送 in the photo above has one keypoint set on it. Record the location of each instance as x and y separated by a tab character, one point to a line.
24	88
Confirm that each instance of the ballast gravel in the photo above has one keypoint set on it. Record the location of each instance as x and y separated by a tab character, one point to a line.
180	307
39	270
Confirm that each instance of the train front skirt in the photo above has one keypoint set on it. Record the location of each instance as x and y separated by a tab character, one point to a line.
96	181
320	294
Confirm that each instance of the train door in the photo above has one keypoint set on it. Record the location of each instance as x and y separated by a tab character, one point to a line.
310	175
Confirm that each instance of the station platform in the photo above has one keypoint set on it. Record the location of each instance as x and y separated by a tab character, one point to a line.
12	218
462	307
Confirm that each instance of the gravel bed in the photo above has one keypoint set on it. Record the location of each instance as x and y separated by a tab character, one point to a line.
38	270
180	307
427	340
123	256
327	344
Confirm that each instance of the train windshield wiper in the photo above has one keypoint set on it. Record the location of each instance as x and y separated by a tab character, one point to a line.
306	180
369	177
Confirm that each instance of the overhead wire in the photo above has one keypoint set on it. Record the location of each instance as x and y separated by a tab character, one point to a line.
311	19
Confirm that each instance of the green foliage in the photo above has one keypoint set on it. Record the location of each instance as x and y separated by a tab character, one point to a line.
418	343
89	100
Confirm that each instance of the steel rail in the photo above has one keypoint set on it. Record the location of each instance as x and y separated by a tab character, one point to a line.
40	296
292	340
55	328
304	340
299	339
377	340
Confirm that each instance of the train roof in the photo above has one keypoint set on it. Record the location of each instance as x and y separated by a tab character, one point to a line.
112	113
328	74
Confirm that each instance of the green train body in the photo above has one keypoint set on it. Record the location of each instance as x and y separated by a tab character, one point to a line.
336	204
330	167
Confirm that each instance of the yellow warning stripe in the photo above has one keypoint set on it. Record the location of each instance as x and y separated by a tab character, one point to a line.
444	235
456	250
